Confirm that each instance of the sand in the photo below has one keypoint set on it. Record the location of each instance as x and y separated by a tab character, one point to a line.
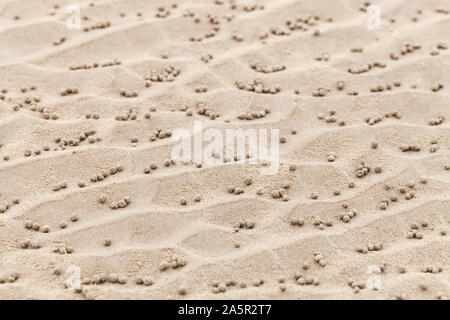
359	208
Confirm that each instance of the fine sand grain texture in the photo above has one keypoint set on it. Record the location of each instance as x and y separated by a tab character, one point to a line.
93	206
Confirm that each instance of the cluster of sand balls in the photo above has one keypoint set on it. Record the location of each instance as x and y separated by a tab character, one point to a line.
36	226
6	206
167	75
173	262
348	216
431	269
206	58
330	118
374	120
117	278
322	57
434	146
314	196
370	247
87	135
94	116
280	193
169	162
69	91
96	279
28	244
129	115
321	224
388	86
236	36
362	170
436	121
162	12
63	143
95	65
409	147
98	25
297	221
306	280
45	113
259	67
253	115
406	48
257	86
60	41
103	278
150	168
218	287
253	7
302	23
145	281
394	114
201	90
205	111
384	204
12	277
320	92
356	50
160	134
106	173
235	190
408	195
59	186
437	87
414	234
128	93
63	249
360	69
121	203
184	202
214	20
357	286
442	46
319	259
247	224
102	200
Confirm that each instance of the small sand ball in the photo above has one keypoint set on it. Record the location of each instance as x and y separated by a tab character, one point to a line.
28	224
107	242
182	291
148	281
63	224
249	224
57	271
